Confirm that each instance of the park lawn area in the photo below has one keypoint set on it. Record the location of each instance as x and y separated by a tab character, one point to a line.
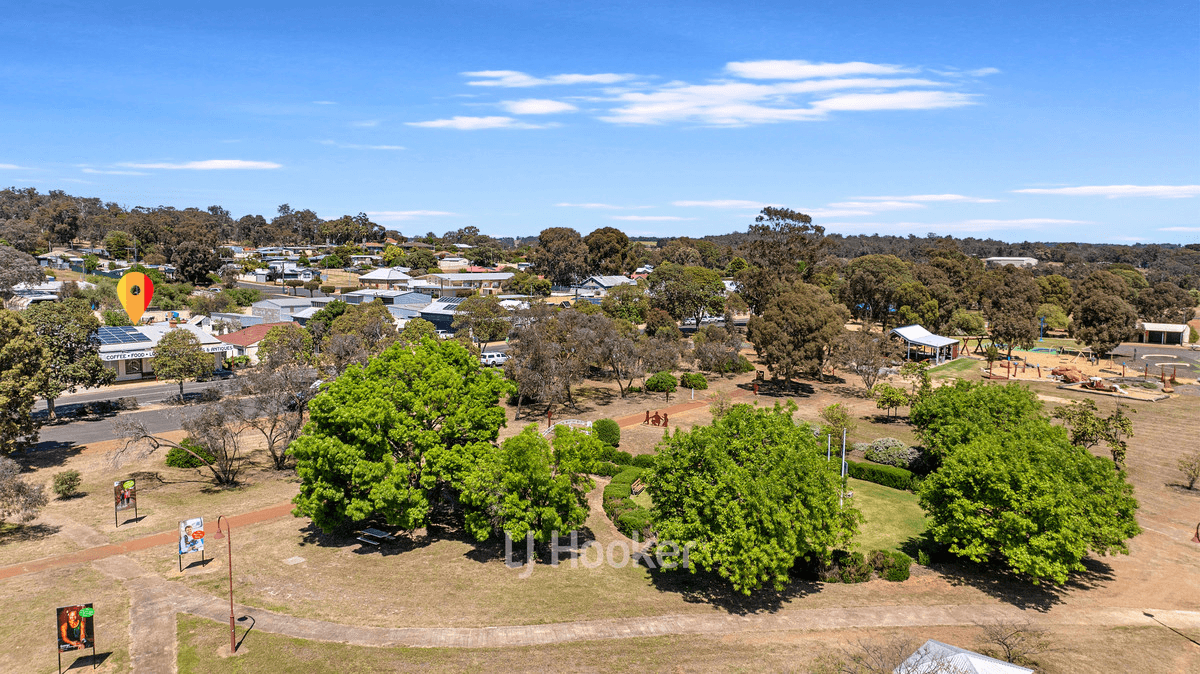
890	516
643	499
955	367
27	621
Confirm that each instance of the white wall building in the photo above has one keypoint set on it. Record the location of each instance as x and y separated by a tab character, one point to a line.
129	350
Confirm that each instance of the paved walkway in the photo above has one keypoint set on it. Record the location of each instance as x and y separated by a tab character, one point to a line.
678	408
135	544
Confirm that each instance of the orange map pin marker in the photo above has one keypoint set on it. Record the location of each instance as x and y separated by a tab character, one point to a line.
135	290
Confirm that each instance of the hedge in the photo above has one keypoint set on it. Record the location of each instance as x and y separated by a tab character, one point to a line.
888	476
630	518
616	456
693	380
891	565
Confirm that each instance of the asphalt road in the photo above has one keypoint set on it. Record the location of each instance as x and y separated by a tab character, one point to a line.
1139	355
145	393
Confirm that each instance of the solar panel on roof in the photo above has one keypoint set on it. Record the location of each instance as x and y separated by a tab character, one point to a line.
120	334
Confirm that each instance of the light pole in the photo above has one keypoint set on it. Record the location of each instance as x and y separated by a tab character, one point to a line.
229	546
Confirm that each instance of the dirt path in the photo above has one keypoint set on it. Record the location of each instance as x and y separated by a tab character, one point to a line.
679	408
114	549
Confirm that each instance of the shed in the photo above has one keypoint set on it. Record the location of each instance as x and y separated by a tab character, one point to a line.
1165	333
936	347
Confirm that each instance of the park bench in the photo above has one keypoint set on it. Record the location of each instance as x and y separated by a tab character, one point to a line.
637	486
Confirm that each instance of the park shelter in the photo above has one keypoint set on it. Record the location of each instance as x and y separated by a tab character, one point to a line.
1164	333
925	344
935	656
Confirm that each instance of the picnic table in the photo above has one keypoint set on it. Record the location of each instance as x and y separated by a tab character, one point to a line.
374	536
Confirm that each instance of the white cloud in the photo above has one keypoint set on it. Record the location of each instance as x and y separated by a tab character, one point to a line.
208	165
933	197
721	203
13	167
742	103
798	70
514	78
1179	229
648	218
476	123
324	102
1115	191
354	146
878	205
1127	238
609	207
392	216
366	123
114	173
537	106
980	225
833	212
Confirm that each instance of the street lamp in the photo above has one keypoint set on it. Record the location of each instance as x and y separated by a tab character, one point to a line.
229	547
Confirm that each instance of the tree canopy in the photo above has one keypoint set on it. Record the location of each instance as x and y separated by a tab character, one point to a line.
951	416
180	357
753	493
798	330
68	332
686	292
22	376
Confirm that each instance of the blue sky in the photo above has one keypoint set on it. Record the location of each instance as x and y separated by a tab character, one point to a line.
1019	121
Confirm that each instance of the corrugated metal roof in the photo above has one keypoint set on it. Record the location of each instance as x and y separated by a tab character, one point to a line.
935	656
919	335
1165	327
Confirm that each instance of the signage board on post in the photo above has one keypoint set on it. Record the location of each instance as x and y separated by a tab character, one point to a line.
191	538
124	497
75	629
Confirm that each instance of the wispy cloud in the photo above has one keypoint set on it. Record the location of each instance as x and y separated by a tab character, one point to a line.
354	146
366	123
1117	191
324	102
537	106
799	70
114	173
392	216
720	203
609	207
516	79
648	218
13	167
933	197
878	205
207	165
976	225
1179	229
476	123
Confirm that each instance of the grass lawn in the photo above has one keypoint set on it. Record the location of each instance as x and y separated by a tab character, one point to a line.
955	367
890	516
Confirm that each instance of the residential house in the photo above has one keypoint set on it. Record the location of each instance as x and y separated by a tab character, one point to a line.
598	286
278	309
245	342
387	277
460	285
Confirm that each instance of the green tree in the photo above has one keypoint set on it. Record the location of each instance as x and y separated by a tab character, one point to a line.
1165	302
116	243
1028	498
1055	289
68	332
888	397
194	262
561	255
483	318
1089	429
16	268
686	292
22	376
525	487
1103	322
606	248
180	357
59	219
332	262
735	265
393	256
285	345
785	243
951	416
1010	302
797	331
389	438
753	493
370	322
837	419
872	282
627	302
524	283
420	260
1055	317
18	499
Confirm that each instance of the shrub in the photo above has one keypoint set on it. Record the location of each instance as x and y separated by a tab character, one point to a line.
743	365
891	452
177	458
327	290
860	447
670	333
1193	336
888	476
846	567
662	382
347	290
210	395
634	389
693	380
608	432
922	558
66	483
1190	467
616	456
890	565
129	403
605	468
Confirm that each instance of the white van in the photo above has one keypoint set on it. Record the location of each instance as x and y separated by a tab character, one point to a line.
493	358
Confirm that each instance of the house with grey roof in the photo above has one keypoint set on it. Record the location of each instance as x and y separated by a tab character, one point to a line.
279	309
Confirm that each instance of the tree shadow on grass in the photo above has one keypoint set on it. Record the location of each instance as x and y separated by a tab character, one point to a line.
709	588
994	579
46	454
493	549
25	533
768	388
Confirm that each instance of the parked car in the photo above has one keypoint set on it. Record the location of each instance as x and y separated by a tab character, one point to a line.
493	358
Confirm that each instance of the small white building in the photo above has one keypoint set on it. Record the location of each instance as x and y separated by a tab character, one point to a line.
129	350
1164	333
924	343
387	278
1014	261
